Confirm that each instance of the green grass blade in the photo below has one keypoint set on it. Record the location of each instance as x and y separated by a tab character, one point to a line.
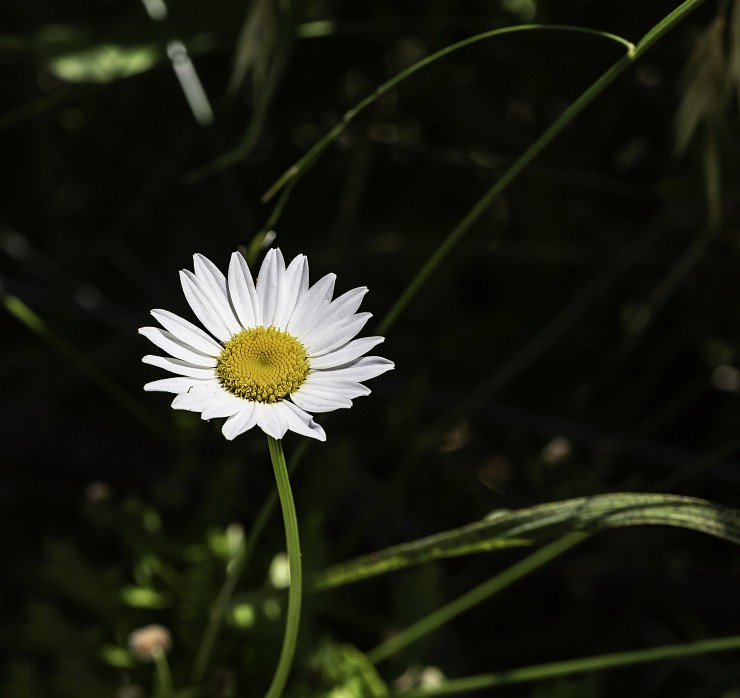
472	598
539	524
543	672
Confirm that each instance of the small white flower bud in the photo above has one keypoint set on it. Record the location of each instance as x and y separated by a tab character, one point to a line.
149	641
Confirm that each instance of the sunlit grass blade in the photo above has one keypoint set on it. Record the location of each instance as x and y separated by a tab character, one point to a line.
540	524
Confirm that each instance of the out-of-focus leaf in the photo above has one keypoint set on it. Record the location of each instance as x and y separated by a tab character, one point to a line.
504	529
733	61
72	576
345	673
256	45
142	597
103	64
705	85
118	657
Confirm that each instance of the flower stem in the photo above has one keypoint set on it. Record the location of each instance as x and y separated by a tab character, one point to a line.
163	681
295	591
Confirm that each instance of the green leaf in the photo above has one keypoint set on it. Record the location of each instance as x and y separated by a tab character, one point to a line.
104	63
541	523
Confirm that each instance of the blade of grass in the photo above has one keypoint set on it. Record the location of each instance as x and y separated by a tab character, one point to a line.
551	670
540	524
475	596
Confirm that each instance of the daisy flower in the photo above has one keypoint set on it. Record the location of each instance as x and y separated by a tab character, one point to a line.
275	350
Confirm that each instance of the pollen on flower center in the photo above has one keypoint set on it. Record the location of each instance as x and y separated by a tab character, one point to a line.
262	364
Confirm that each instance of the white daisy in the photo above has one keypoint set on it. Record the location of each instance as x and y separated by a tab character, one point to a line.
278	349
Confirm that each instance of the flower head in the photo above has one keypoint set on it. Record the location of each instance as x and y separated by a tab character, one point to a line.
277	351
146	642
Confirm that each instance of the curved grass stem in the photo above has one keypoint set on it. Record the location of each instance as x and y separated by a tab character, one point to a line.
299	168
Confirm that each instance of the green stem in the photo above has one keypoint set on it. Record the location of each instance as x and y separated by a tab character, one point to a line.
475	596
295	591
163	677
543	672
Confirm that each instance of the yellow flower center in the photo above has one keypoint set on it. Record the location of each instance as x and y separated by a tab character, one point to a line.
262	364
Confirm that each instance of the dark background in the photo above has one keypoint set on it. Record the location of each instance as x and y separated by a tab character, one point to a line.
596	301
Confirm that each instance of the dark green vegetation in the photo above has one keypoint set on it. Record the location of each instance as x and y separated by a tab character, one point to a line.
581	338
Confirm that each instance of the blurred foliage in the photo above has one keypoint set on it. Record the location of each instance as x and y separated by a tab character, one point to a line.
583	338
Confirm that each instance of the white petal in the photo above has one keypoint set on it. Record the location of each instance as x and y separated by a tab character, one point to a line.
223	405
242	292
316	399
190	402
326	382
295	285
301	422
203	307
361	370
324	339
187	332
271	420
310	304
213	284
211	278
269	283
240	422
175	347
180	384
349	352
182	368
343	307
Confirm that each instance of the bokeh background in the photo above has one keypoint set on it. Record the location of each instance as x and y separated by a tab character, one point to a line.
582	338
